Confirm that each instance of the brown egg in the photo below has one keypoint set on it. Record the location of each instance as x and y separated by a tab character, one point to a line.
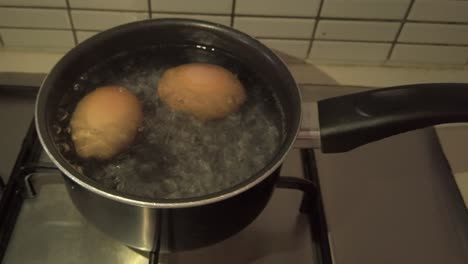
105	122
204	90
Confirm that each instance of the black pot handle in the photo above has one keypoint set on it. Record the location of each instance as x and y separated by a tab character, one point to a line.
350	121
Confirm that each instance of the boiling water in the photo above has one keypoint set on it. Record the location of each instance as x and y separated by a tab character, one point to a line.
174	154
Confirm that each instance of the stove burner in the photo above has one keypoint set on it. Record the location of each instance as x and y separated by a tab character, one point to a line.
30	172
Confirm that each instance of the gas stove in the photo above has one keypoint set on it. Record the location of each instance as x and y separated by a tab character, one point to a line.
392	201
39	223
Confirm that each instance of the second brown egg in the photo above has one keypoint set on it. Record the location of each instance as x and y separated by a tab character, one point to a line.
205	91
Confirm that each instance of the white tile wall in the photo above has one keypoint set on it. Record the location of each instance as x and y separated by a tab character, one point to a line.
345	31
223	20
357	30
407	53
34	18
33	38
295	48
101	20
305	8
48	3
434	33
377	9
440	10
350	51
135	5
275	27
83	35
199	6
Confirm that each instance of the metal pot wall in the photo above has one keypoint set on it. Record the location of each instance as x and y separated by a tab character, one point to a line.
177	229
180	224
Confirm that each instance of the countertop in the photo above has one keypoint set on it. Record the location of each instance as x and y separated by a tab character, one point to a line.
394	201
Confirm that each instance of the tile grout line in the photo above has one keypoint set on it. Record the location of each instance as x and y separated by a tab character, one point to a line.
77	9
397	36
435	22
83	30
240	15
275	16
354	40
110	10
233	12
270	37
314	30
390	42
150	11
34	7
363	19
75	37
281	38
36	28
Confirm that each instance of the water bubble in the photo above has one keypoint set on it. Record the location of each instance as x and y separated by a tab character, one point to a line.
64	148
62	114
78	168
84	77
76	87
57	129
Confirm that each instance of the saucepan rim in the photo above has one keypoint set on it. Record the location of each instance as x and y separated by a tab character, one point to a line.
45	135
